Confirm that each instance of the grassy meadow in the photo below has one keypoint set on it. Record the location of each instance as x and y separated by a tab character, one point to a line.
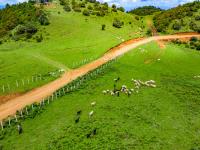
70	39
165	117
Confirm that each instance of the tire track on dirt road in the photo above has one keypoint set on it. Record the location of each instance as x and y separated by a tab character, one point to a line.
36	95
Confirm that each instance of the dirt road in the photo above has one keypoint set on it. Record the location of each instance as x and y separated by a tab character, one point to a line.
36	95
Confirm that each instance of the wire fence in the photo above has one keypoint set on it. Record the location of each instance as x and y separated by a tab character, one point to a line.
32	110
26	82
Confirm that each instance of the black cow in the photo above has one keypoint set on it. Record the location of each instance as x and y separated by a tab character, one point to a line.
19	128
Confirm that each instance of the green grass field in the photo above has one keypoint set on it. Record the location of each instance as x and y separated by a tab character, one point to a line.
166	117
68	41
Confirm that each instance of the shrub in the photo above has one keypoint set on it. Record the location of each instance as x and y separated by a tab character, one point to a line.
137	18
194	26
193	39
90	7
62	2
100	13
67	8
43	19
117	23
86	12
103	27
39	38
82	5
24	31
197	18
77	9
1	42
149	33
121	9
176	26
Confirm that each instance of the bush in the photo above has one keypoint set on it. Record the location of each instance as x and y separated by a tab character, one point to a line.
149	33
194	26
86	12
121	9
24	31
193	39
67	8
90	7
43	20
77	9
103	27
82	5
117	23
197	18
1	42
39	38
137	18
101	13
176	26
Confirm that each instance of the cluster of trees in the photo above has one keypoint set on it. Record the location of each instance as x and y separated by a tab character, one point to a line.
163	19
89	7
40	1
194	43
117	23
146	10
21	20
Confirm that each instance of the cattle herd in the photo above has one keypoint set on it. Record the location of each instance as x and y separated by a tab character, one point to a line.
197	77
137	85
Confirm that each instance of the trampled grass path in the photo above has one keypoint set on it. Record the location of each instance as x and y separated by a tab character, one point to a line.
36	95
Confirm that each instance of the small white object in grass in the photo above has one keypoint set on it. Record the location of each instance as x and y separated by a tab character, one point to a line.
123	40
137	87
91	113
93	104
152	85
158	59
137	91
104	92
132	90
112	93
61	70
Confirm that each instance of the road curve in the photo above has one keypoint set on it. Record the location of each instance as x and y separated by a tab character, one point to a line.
36	95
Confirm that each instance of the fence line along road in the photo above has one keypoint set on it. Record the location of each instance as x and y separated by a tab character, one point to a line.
36	95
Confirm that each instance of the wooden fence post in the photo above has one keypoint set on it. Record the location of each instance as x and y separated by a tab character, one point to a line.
1	125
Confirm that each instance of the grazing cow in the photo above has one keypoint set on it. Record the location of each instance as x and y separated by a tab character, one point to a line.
88	135
129	93
104	92
117	93
77	119
19	128
91	114
93	104
112	93
79	112
114	88
95	131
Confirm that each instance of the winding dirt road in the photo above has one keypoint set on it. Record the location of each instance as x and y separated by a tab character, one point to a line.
36	95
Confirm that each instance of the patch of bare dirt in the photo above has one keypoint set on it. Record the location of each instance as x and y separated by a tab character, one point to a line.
5	98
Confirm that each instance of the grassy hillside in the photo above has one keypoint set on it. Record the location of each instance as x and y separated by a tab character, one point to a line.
165	117
184	18
69	41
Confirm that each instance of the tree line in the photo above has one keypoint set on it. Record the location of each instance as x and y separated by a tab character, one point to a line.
21	20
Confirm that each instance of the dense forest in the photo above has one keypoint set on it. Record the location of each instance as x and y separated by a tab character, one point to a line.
21	20
176	15
144	11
